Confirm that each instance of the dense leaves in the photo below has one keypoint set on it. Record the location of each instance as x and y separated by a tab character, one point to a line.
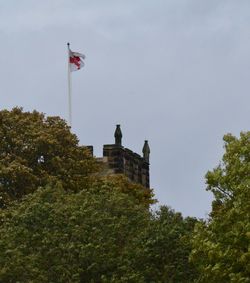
161	252
96	235
53	236
222	244
35	150
63	220
121	183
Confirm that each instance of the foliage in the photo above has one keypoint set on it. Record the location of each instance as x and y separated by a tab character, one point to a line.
222	244
35	150
96	235
54	236
65	222
161	252
121	183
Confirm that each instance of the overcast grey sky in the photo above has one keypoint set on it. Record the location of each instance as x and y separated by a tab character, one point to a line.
175	72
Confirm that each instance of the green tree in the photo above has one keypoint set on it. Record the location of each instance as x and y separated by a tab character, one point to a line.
97	235
56	236
221	245
73	224
161	252
35	150
141	195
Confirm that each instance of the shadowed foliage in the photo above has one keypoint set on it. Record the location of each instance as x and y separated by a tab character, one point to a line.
36	150
222	244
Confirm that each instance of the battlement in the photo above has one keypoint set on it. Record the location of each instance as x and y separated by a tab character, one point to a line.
121	160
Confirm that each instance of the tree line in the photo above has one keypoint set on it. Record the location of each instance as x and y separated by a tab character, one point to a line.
61	220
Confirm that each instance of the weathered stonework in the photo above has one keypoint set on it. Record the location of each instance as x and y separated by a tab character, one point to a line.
121	160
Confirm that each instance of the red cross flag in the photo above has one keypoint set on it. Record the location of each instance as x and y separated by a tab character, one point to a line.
75	61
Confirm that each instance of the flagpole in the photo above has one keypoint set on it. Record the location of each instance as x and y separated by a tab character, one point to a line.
69	88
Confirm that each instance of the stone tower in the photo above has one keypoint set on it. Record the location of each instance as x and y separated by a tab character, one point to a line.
121	160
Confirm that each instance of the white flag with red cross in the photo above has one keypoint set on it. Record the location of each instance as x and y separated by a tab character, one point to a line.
75	61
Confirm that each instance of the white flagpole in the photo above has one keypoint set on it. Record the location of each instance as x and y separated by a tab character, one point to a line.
69	88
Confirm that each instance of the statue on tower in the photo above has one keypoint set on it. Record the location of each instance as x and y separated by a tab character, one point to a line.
146	151
118	135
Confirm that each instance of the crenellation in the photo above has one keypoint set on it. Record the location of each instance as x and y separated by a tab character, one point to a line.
121	160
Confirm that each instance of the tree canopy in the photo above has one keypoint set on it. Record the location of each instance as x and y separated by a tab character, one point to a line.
97	235
222	244
61	220
161	252
55	236
35	150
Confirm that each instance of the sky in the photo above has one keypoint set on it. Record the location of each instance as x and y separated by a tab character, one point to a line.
173	72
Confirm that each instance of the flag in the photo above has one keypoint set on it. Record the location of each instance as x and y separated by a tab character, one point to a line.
75	61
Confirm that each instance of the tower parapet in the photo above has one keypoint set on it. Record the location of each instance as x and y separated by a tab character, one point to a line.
122	160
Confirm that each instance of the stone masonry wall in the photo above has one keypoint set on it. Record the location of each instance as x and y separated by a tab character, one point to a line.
124	161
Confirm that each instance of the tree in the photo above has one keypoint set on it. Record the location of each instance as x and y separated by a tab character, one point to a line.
35	150
161	252
57	236
73	224
221	245
97	235
139	193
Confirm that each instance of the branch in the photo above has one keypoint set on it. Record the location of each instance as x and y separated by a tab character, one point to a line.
224	192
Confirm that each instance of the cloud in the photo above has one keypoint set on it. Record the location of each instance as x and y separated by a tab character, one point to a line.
172	72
